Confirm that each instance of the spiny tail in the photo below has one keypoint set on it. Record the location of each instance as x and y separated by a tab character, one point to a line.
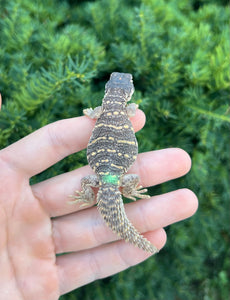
111	207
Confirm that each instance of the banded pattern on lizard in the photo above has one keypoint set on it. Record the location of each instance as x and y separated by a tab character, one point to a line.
111	150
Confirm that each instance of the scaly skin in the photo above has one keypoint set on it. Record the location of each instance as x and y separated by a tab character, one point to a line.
111	151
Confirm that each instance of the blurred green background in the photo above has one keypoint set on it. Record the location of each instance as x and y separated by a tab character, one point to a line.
55	57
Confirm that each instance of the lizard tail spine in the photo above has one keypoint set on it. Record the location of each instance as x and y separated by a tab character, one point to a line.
111	207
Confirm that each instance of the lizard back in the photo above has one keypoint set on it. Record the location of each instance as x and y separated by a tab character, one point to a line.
113	147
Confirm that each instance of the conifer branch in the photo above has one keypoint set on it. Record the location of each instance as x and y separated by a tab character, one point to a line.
209	114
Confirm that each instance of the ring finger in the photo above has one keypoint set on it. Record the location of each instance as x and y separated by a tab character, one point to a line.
86	229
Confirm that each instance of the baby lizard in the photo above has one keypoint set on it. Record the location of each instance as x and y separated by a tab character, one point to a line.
111	150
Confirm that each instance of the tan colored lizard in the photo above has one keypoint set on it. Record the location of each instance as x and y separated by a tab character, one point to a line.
111	150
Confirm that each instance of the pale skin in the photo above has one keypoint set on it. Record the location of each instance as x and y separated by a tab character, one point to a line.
30	238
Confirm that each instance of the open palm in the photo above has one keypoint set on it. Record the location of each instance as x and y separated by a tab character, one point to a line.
37	222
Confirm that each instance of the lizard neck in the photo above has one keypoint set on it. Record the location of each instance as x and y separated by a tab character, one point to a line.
115	99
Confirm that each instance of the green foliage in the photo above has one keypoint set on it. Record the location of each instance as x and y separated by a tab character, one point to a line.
55	57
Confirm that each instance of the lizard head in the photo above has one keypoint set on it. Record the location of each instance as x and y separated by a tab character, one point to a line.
122	81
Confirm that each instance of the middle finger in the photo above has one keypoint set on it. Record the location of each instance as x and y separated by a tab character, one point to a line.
153	168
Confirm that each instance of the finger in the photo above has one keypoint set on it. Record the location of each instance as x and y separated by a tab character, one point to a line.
167	164
46	146
86	229
77	269
153	167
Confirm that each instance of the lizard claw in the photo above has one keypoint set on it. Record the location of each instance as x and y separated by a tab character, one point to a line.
137	192
131	188
82	198
140	190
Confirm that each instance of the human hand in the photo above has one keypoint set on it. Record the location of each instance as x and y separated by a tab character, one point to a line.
37	222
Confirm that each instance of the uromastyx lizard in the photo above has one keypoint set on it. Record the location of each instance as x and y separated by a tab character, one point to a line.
111	150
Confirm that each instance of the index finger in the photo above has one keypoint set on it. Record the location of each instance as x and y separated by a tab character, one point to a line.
49	144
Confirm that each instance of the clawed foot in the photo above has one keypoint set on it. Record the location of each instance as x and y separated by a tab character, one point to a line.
81	198
86	197
137	192
131	188
93	113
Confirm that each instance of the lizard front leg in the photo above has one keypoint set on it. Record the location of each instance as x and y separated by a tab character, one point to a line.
131	109
87	195
130	188
93	113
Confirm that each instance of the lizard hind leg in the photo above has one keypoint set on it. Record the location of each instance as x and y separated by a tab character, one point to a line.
86	197
130	188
